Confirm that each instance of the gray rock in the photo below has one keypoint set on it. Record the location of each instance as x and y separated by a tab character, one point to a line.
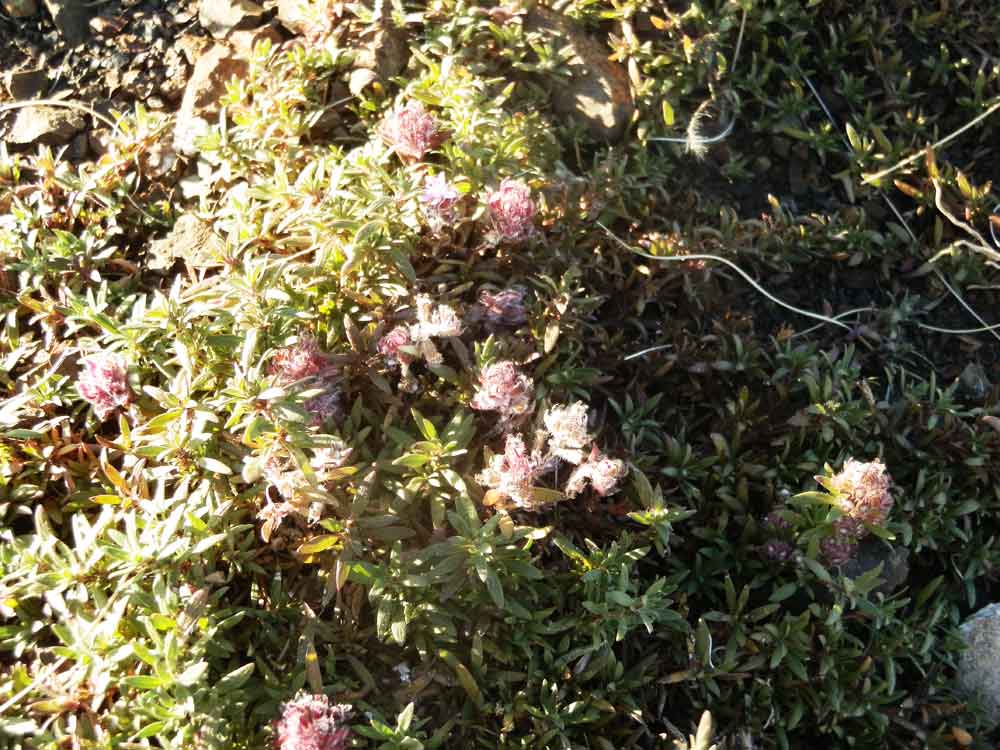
975	382
191	240
20	8
78	148
200	103
979	667
873	552
360	79
597	93
72	19
385	52
292	16
243	42
52	126
26	84
219	17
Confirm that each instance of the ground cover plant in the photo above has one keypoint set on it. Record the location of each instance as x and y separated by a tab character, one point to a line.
452	429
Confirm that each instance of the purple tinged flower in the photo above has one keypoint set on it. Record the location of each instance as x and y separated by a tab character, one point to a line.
512	210
391	346
311	722
513	472
102	383
864	489
439	199
503	388
775	520
838	549
411	132
302	360
326	407
505	308
777	550
601	472
842	543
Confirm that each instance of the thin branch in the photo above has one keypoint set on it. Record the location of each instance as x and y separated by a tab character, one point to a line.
725	261
947	139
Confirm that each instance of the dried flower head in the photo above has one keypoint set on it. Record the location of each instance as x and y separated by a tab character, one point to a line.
271	516
505	308
311	722
567	427
434	320
512	211
103	384
411	132
439	199
391	346
302	360
290	481
331	457
513	472
777	550
864	488
503	388
601	472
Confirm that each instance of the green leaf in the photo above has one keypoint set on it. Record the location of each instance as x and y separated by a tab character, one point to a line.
426	427
235	679
783	592
319	544
162	622
495	588
814	498
214	465
411	460
405	718
207	543
192	674
150	730
144	682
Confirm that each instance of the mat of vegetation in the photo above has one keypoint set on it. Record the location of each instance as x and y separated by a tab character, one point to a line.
425	417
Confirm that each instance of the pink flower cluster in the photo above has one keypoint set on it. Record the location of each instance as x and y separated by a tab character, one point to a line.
513	472
103	384
864	499
503	309
512	211
439	200
411	132
391	347
864	488
303	360
505	389
406	344
510	207
311	722
601	472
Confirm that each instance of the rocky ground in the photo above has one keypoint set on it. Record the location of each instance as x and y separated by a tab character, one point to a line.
112	56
